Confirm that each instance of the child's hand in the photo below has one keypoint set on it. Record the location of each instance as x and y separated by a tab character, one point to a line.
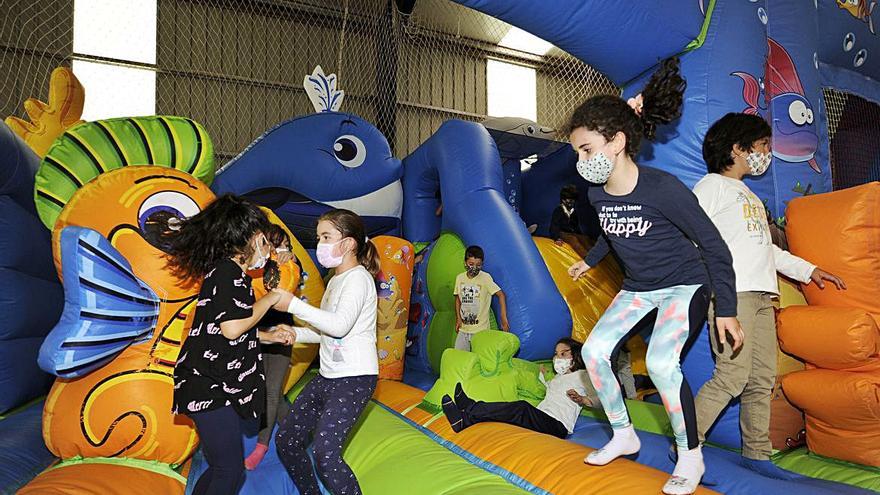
281	334
542	369
819	276
273	297
725	325
287	333
283	301
505	326
577	398
559	242
578	270
457	325
283	256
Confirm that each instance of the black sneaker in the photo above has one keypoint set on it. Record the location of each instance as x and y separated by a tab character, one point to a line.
461	399
453	415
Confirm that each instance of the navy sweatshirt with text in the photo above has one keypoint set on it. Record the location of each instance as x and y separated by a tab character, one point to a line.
664	239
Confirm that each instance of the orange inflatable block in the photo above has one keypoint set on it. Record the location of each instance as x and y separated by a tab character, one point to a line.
105	478
831	338
840	231
547	462
393	284
843	412
837	334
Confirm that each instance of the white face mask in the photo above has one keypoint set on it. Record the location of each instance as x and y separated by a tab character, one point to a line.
759	162
561	365
261	260
597	169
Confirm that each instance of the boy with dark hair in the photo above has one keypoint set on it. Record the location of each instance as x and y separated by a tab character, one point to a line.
473	291
735	146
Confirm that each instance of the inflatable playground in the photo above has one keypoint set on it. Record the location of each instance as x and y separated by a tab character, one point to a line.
93	320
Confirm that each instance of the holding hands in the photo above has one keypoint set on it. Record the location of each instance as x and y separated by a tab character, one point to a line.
279	334
578	398
283	299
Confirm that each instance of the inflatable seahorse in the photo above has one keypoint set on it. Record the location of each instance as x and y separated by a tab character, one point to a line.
108	416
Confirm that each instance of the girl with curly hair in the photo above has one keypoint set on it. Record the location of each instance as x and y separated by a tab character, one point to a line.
219	375
673	257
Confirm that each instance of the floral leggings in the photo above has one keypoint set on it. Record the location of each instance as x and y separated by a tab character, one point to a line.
677	315
326	409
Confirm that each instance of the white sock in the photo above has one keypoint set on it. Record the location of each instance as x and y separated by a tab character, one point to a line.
687	473
623	442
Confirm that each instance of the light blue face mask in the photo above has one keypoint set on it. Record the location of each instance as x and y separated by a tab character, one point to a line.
597	169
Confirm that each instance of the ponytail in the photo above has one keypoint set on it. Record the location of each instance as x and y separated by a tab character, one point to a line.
368	256
660	103
663	97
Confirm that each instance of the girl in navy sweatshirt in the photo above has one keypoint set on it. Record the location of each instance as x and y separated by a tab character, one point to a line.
673	257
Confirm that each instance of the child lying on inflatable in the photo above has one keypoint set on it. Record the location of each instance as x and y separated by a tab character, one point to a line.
556	415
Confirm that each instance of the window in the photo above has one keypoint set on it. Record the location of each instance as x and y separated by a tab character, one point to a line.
524	41
511	90
114	91
123	30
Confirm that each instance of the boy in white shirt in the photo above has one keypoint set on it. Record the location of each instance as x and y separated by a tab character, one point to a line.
473	291
735	146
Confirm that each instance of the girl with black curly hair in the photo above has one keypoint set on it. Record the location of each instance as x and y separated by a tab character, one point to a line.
673	257
219	375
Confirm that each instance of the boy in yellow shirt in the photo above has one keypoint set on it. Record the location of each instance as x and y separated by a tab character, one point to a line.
473	291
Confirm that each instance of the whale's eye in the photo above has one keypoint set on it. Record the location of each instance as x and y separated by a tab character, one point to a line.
349	151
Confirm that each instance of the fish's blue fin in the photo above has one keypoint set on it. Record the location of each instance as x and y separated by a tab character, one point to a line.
106	307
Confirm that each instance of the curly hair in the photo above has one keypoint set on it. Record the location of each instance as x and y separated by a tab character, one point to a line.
732	129
221	231
608	114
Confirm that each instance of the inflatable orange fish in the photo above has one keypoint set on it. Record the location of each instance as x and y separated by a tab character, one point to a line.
116	345
125	405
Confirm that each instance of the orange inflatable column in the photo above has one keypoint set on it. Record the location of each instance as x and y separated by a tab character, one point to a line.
837	333
393	285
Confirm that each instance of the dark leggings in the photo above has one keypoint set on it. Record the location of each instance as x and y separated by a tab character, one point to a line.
519	413
275	368
220	437
327	409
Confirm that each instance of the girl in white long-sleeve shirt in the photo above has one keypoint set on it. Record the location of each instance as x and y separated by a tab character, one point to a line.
345	326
